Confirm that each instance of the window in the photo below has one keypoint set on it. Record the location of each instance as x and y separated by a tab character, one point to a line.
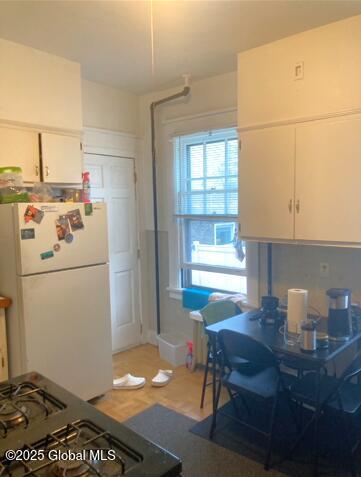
224	233
211	256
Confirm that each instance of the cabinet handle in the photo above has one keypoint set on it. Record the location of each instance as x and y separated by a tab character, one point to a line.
290	206
37	170
298	206
46	170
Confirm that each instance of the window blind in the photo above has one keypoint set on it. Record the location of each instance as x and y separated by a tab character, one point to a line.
207	174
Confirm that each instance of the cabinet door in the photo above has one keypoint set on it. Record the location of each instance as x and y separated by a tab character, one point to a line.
62	159
20	148
39	88
312	73
328	173
266	177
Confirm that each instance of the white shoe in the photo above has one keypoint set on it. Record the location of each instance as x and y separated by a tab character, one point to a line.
162	378
128	382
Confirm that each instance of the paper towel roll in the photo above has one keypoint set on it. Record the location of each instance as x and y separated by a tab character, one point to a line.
296	309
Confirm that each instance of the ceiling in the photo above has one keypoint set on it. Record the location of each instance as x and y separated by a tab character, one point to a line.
112	39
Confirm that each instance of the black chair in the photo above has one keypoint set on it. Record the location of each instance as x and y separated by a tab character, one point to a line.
339	396
213	313
300	366
262	380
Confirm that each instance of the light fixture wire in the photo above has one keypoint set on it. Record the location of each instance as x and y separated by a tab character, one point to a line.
152	37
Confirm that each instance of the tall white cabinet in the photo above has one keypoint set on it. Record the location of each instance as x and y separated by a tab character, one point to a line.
299	122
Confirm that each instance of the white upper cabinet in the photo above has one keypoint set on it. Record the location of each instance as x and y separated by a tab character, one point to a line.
20	148
302	182
61	158
266	190
299	119
40	94
311	74
327	181
39	89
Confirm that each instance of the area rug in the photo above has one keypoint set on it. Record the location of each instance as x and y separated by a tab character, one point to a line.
234	437
200	457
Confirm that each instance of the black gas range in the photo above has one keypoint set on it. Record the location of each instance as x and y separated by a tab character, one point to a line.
55	434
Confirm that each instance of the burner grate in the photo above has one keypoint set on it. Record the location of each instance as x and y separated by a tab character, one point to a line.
24	404
83	438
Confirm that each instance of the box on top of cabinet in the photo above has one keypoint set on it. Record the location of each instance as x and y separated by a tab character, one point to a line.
311	74
37	88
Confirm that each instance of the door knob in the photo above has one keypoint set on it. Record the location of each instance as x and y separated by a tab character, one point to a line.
298	206
47	170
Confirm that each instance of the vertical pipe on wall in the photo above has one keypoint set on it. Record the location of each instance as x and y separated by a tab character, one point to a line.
153	106
155	219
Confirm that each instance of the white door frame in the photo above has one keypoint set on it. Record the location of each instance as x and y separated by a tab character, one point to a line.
113	143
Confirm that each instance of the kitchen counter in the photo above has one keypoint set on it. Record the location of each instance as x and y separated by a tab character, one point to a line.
4	302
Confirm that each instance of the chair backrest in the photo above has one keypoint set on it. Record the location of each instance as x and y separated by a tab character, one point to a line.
353	369
218	311
238	345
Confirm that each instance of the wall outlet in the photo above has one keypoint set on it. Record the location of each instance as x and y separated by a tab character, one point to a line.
324	270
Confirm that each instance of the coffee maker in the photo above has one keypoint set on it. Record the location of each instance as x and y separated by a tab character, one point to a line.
339	314
269	314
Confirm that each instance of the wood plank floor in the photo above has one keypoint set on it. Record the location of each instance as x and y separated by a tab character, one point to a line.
182	394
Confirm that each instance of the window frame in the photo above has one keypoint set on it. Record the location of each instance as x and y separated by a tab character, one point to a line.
178	273
185	264
182	147
179	268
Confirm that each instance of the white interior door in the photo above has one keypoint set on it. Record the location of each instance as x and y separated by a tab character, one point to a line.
112	181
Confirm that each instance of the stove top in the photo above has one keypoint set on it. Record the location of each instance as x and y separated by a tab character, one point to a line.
98	452
55	434
24	405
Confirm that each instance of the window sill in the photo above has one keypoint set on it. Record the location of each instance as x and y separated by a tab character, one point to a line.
175	293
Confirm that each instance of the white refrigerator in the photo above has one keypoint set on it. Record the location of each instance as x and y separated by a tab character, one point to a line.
54	267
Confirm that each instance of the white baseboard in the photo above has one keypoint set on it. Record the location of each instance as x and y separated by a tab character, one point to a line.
152	337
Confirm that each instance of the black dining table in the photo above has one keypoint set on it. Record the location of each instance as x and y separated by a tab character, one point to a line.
272	336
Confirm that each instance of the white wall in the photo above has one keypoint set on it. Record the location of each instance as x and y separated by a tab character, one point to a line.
211	104
184	115
109	108
293	266
298	266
